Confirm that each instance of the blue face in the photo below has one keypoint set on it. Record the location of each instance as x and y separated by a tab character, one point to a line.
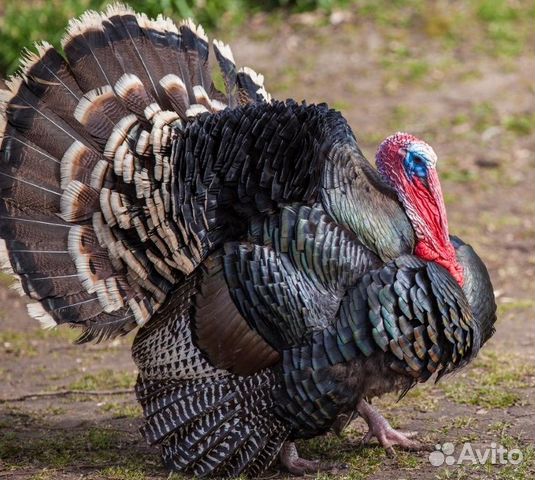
415	165
418	159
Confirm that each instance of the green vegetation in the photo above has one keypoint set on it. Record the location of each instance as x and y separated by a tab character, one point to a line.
502	27
361	461
24	23
20	344
17	343
522	471
6	280
104	380
59	450
521	124
123	473
492	382
514	305
123	410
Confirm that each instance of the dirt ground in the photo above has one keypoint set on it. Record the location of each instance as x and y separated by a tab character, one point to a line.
471	97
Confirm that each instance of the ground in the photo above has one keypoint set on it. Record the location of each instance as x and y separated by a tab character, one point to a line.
460	78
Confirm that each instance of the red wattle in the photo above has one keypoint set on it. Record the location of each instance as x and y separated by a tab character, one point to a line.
446	259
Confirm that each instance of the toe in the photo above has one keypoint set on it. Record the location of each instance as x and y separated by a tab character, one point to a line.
335	469
300	466
366	438
390	452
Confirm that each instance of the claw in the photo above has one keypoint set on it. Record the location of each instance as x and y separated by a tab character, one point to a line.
299	466
385	434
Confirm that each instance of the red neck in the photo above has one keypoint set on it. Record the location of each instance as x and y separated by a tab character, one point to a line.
422	199
446	259
425	207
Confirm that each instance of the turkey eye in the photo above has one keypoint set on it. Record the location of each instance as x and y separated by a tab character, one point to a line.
418	166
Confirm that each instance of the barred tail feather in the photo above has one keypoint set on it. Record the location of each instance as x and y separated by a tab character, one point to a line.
223	431
207	420
86	141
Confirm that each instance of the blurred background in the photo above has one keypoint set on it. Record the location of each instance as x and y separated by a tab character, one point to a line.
460	75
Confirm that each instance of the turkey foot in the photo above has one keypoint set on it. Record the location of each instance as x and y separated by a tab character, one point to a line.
385	434
299	466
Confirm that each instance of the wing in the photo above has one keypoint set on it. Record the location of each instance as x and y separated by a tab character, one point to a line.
477	288
396	326
220	331
292	284
416	313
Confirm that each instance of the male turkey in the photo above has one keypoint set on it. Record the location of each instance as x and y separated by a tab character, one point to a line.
279	280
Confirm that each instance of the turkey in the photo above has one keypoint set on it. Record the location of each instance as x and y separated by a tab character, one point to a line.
279	280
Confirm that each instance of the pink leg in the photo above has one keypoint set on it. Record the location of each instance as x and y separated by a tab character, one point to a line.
299	466
385	434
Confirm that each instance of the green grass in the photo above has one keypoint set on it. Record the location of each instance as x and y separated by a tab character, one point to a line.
56	450
123	473
459	423
523	471
421	399
23	344
122	410
362	461
6	280
104	380
514	305
17	343
493	382
45	474
31	443
458	175
521	124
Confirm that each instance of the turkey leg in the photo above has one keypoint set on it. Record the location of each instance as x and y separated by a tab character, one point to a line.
299	466
385	434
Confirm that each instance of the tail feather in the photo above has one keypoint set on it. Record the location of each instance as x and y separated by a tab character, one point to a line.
223	431
31	117
133	48
98	111
50	79
173	53
40	287
251	86
195	44
228	69
25	162
90	56
130	89
86	141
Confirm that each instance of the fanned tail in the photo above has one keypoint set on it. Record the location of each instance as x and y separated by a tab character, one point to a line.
87	221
